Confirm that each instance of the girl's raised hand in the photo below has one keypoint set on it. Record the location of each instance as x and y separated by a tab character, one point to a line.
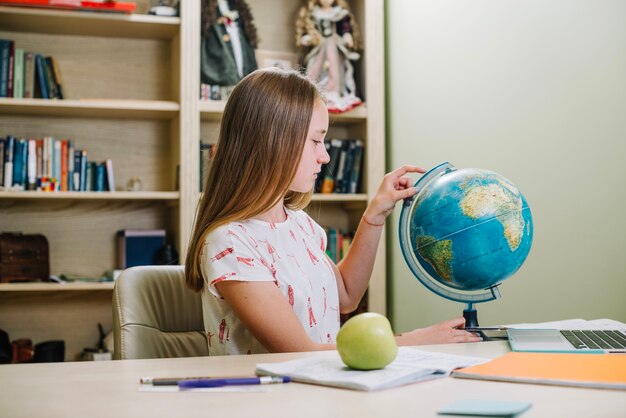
394	187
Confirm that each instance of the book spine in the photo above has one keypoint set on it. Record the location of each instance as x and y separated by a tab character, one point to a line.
11	74
56	76
76	173
18	74
91	176
110	175
56	167
341	167
70	165
47	157
18	162
347	171
5	50
64	178
100	184
83	171
39	150
29	75
50	83
32	164
9	149
355	175
41	77
2	163
328	183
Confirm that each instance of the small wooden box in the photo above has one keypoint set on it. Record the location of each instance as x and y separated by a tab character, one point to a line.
23	257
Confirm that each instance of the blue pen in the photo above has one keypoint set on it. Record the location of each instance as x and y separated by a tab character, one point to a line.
215	383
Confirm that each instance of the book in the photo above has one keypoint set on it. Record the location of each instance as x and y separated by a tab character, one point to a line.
99	180
40	75
110	176
18	73
29	75
20	163
5	62
2	163
355	174
329	173
11	74
83	170
50	82
56	162
139	247
341	167
602	371
32	165
410	366
9	149
347	170
56	75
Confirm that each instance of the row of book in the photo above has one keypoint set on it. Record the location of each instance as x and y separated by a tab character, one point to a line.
48	164
338	243
342	174
215	92
28	75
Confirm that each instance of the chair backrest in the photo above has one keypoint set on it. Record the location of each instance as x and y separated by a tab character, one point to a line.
156	316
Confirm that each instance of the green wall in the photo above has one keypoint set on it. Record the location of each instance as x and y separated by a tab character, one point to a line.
534	90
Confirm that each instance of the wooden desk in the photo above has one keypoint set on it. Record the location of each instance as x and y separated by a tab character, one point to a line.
110	389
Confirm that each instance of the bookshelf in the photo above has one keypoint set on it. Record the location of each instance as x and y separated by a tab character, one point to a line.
131	95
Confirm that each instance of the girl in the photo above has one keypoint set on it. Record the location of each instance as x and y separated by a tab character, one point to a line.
257	257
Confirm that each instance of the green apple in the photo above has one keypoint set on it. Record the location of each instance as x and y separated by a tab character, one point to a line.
366	342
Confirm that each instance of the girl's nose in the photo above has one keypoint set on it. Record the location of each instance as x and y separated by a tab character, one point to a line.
324	158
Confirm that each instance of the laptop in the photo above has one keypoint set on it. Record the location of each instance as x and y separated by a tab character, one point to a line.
567	341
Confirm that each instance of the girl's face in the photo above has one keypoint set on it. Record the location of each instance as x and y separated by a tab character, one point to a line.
314	153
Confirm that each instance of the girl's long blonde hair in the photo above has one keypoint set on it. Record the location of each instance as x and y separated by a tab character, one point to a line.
262	136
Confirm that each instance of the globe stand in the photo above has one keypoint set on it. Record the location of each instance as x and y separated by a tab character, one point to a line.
471	316
471	321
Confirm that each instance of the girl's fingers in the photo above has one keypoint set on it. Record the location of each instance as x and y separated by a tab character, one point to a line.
401	171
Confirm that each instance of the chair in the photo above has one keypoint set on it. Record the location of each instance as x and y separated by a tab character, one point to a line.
156	316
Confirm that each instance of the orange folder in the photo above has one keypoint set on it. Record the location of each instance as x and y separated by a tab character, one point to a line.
606	371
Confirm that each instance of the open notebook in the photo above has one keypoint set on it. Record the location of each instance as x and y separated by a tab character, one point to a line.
327	369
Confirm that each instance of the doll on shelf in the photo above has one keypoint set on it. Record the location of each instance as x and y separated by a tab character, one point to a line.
228	41
328	32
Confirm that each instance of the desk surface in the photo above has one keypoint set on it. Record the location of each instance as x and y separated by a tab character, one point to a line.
110	389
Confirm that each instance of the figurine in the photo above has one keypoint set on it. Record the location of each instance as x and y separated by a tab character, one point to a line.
329	33
228	42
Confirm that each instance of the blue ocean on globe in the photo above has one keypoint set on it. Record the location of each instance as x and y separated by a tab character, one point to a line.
467	229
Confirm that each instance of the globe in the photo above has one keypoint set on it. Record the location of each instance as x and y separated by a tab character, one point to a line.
464	232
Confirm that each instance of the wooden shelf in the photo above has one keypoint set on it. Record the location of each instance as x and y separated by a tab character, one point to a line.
30	195
211	110
55	287
112	25
115	109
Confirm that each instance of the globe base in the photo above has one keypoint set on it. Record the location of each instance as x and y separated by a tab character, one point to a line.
471	317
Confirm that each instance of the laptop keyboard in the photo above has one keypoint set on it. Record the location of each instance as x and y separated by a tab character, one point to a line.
597	339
